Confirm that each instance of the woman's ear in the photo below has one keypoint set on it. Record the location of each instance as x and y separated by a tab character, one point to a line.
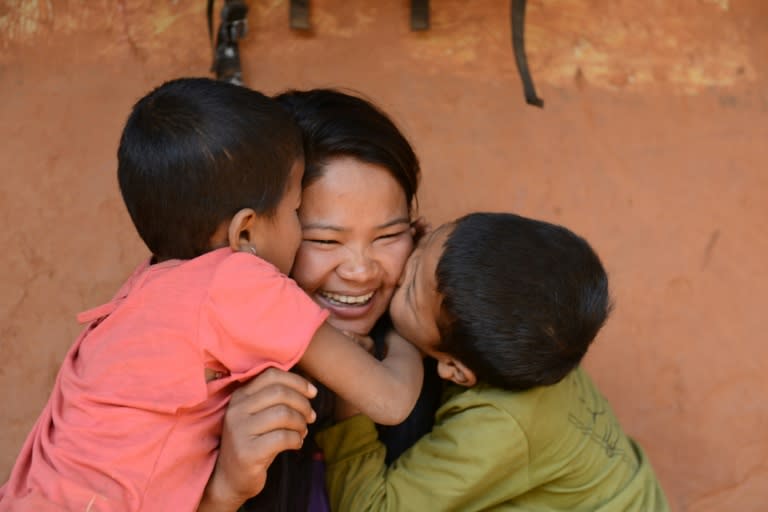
450	368
241	230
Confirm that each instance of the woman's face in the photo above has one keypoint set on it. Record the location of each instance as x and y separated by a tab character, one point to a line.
356	238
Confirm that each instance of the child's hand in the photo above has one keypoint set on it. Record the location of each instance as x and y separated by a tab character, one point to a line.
266	416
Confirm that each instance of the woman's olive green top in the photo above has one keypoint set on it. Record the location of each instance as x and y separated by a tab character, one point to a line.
552	448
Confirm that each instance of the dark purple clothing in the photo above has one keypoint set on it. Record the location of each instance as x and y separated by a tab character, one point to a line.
318	498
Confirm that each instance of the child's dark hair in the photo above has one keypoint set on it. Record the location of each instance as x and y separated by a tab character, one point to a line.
522	299
193	152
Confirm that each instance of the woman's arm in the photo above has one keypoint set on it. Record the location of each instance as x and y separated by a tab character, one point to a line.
265	417
385	391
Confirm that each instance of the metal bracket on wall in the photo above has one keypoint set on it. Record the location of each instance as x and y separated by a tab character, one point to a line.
300	14
232	28
419	14
518	44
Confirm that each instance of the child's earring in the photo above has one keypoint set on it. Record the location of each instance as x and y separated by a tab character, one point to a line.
248	248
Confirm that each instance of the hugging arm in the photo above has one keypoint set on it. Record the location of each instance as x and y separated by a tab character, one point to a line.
385	391
457	466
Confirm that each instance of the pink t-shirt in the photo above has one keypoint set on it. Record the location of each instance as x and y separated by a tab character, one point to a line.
131	423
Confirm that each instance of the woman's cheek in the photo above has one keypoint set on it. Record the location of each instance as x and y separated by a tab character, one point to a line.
312	266
397	258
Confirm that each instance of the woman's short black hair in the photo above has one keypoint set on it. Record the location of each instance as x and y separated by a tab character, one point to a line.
522	299
193	152
336	124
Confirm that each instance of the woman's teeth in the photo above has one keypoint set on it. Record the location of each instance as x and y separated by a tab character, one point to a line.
347	299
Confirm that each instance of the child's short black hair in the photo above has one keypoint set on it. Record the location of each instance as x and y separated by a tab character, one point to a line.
193	152
521	299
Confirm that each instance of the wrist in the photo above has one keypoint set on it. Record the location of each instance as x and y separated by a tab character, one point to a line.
218	497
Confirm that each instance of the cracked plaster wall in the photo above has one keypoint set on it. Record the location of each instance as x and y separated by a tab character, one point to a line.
652	144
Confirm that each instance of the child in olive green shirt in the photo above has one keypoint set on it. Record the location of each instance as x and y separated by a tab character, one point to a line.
508	307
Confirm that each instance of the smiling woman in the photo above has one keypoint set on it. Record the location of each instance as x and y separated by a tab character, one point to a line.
356	214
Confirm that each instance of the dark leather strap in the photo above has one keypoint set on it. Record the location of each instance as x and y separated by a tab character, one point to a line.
419	14
233	27
518	44
300	14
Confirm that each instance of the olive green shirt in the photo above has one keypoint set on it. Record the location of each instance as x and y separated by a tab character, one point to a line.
550	448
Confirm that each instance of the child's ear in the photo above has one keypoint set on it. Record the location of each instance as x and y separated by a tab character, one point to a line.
450	368
242	231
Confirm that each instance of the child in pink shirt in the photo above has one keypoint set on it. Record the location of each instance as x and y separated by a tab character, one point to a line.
211	176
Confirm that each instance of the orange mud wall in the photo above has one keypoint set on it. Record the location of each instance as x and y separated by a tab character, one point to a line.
652	143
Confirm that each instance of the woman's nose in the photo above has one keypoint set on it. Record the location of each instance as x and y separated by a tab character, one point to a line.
359	266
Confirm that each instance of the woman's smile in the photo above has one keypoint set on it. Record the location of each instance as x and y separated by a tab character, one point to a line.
349	307
346	299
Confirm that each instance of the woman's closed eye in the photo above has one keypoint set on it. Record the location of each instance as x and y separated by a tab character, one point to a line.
321	241
391	236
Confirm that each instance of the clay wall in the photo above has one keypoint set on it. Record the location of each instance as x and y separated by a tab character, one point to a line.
652	144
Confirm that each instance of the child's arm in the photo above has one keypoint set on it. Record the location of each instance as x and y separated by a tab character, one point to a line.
475	458
385	391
